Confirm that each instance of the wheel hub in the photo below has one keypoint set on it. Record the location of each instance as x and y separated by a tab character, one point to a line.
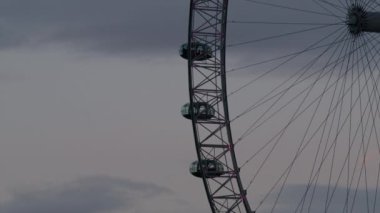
356	19
360	20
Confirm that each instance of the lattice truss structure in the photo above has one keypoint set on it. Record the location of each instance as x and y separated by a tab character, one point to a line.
312	122
207	84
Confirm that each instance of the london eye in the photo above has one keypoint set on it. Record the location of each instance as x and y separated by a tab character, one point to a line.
297	129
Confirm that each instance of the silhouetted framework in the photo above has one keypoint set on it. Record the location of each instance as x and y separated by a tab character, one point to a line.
309	131
207	85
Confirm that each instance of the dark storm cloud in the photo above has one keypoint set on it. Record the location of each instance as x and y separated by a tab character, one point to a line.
292	195
111	26
86	195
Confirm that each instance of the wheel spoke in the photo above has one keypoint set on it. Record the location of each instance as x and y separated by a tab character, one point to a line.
305	104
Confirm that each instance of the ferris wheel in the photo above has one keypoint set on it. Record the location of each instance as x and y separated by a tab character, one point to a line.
298	128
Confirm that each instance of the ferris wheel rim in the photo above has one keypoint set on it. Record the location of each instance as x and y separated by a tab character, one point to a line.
241	190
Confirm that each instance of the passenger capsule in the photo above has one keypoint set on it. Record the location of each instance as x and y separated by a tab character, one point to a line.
212	168
198	51
201	110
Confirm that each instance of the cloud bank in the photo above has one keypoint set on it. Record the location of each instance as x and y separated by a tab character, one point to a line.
97	194
107	26
289	201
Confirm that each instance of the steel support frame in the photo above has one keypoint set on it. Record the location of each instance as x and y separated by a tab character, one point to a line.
207	83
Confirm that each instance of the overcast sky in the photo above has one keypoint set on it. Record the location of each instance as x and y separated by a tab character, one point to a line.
90	97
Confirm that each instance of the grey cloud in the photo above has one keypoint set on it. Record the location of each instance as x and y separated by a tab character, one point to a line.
86	195
110	26
292	195
123	26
